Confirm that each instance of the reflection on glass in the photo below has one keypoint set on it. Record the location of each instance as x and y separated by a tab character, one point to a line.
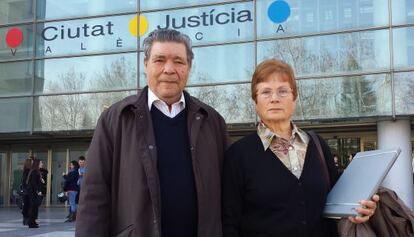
12	11
97	35
217	64
344	97
52	9
16	78
17	42
350	52
3	178
212	24
324	15
58	167
76	152
160	4
402	12
105	72
73	112
15	114
404	93
233	102
17	161
403	47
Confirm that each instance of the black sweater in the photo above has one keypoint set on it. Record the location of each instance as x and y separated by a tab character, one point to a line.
175	170
261	197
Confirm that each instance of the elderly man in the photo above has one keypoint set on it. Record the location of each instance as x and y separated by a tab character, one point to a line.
155	160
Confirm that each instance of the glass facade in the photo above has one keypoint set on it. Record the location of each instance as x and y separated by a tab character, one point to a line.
63	62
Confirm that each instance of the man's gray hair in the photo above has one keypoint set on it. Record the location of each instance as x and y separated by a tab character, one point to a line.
168	35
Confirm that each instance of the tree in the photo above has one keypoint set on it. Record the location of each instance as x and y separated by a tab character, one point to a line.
63	112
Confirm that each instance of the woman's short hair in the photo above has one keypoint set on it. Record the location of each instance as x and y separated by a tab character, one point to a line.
267	68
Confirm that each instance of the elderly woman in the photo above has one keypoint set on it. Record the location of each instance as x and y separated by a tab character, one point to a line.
273	182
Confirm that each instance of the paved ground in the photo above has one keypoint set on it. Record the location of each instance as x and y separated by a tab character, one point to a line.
51	223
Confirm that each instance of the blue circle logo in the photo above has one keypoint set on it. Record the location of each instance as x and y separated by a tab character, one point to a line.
278	11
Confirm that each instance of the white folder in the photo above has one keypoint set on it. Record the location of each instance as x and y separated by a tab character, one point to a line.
359	181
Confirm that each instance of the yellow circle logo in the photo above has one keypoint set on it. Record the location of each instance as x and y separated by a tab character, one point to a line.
138	26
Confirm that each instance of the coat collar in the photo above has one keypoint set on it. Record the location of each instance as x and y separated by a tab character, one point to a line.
140	102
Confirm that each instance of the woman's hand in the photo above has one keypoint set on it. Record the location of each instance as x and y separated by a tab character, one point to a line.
366	211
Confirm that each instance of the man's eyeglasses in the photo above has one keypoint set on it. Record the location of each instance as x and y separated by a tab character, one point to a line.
280	92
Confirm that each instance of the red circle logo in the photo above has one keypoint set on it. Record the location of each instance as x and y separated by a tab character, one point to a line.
14	37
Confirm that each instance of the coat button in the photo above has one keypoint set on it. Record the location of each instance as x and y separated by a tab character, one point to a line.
192	148
151	147
198	117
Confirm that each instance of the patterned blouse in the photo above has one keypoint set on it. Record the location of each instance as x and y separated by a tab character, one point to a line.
290	152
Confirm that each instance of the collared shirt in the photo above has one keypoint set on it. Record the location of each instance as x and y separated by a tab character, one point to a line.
290	152
176	108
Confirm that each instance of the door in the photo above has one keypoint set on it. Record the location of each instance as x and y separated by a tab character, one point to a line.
59	164
4	182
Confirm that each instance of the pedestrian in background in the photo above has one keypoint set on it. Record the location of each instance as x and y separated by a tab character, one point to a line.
71	186
27	166
82	169
34	189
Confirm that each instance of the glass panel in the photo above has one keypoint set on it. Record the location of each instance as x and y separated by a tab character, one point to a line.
344	97
106	34
350	146
58	167
350	52
73	112
3	178
213	24
75	152
402	12
160	4
12	11
404	93
370	144
293	17
333	144
106	72
15	114
233	102
16	78
403	47
207	69
18	158
17	42
52	9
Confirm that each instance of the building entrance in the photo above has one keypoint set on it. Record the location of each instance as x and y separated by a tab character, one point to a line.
55	159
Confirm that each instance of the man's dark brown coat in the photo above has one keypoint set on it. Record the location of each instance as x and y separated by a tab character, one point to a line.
120	193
